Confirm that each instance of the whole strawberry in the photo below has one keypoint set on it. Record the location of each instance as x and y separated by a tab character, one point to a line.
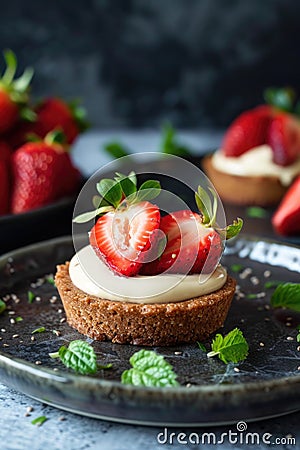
4	178
55	113
42	172
13	93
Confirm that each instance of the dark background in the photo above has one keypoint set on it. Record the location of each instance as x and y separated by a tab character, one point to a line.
139	62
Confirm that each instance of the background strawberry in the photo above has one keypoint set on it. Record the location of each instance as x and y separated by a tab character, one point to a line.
247	131
53	113
286	220
284	138
13	93
42	172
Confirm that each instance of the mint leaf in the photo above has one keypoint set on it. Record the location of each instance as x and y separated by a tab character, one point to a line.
39	330
18	319
231	348
286	295
202	346
116	149
236	268
149	369
30	296
79	356
256	212
2	306
272	284
170	145
50	280
39	421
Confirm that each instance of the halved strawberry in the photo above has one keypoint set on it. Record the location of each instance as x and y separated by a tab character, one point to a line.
247	131
284	138
189	243
194	242
286	220
122	237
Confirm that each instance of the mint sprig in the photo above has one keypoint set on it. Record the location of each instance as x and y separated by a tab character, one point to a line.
2	306
231	348
149	369
79	356
122	190
286	295
170	144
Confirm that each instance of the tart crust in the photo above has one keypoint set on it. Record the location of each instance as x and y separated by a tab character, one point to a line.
239	190
151	324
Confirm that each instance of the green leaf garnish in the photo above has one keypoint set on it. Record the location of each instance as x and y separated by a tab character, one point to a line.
114	191
170	145
18	319
286	295
202	346
256	212
50	280
110	190
231	348
233	229
116	149
79	356
149	369
30	296
39	330
208	208
2	306
236	268
86	217
39	420
272	284
281	98
205	205
251	296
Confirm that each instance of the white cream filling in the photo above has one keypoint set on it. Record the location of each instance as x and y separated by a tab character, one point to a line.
92	276
256	162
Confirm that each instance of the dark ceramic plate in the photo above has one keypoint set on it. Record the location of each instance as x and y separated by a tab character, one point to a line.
265	385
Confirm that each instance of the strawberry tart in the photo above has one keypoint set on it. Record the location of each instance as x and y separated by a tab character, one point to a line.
259	157
147	278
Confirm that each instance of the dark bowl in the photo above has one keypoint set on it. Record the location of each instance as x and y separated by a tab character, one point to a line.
17	230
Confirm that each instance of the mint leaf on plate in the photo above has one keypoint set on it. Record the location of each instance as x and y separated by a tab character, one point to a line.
286	295
79	356
149	369
231	348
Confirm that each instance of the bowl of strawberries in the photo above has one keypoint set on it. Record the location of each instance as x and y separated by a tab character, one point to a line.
38	179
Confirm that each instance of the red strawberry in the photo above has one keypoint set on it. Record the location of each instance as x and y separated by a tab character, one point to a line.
43	172
247	131
286	220
54	113
4	189
5	155
121	237
13	93
189	243
284	138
